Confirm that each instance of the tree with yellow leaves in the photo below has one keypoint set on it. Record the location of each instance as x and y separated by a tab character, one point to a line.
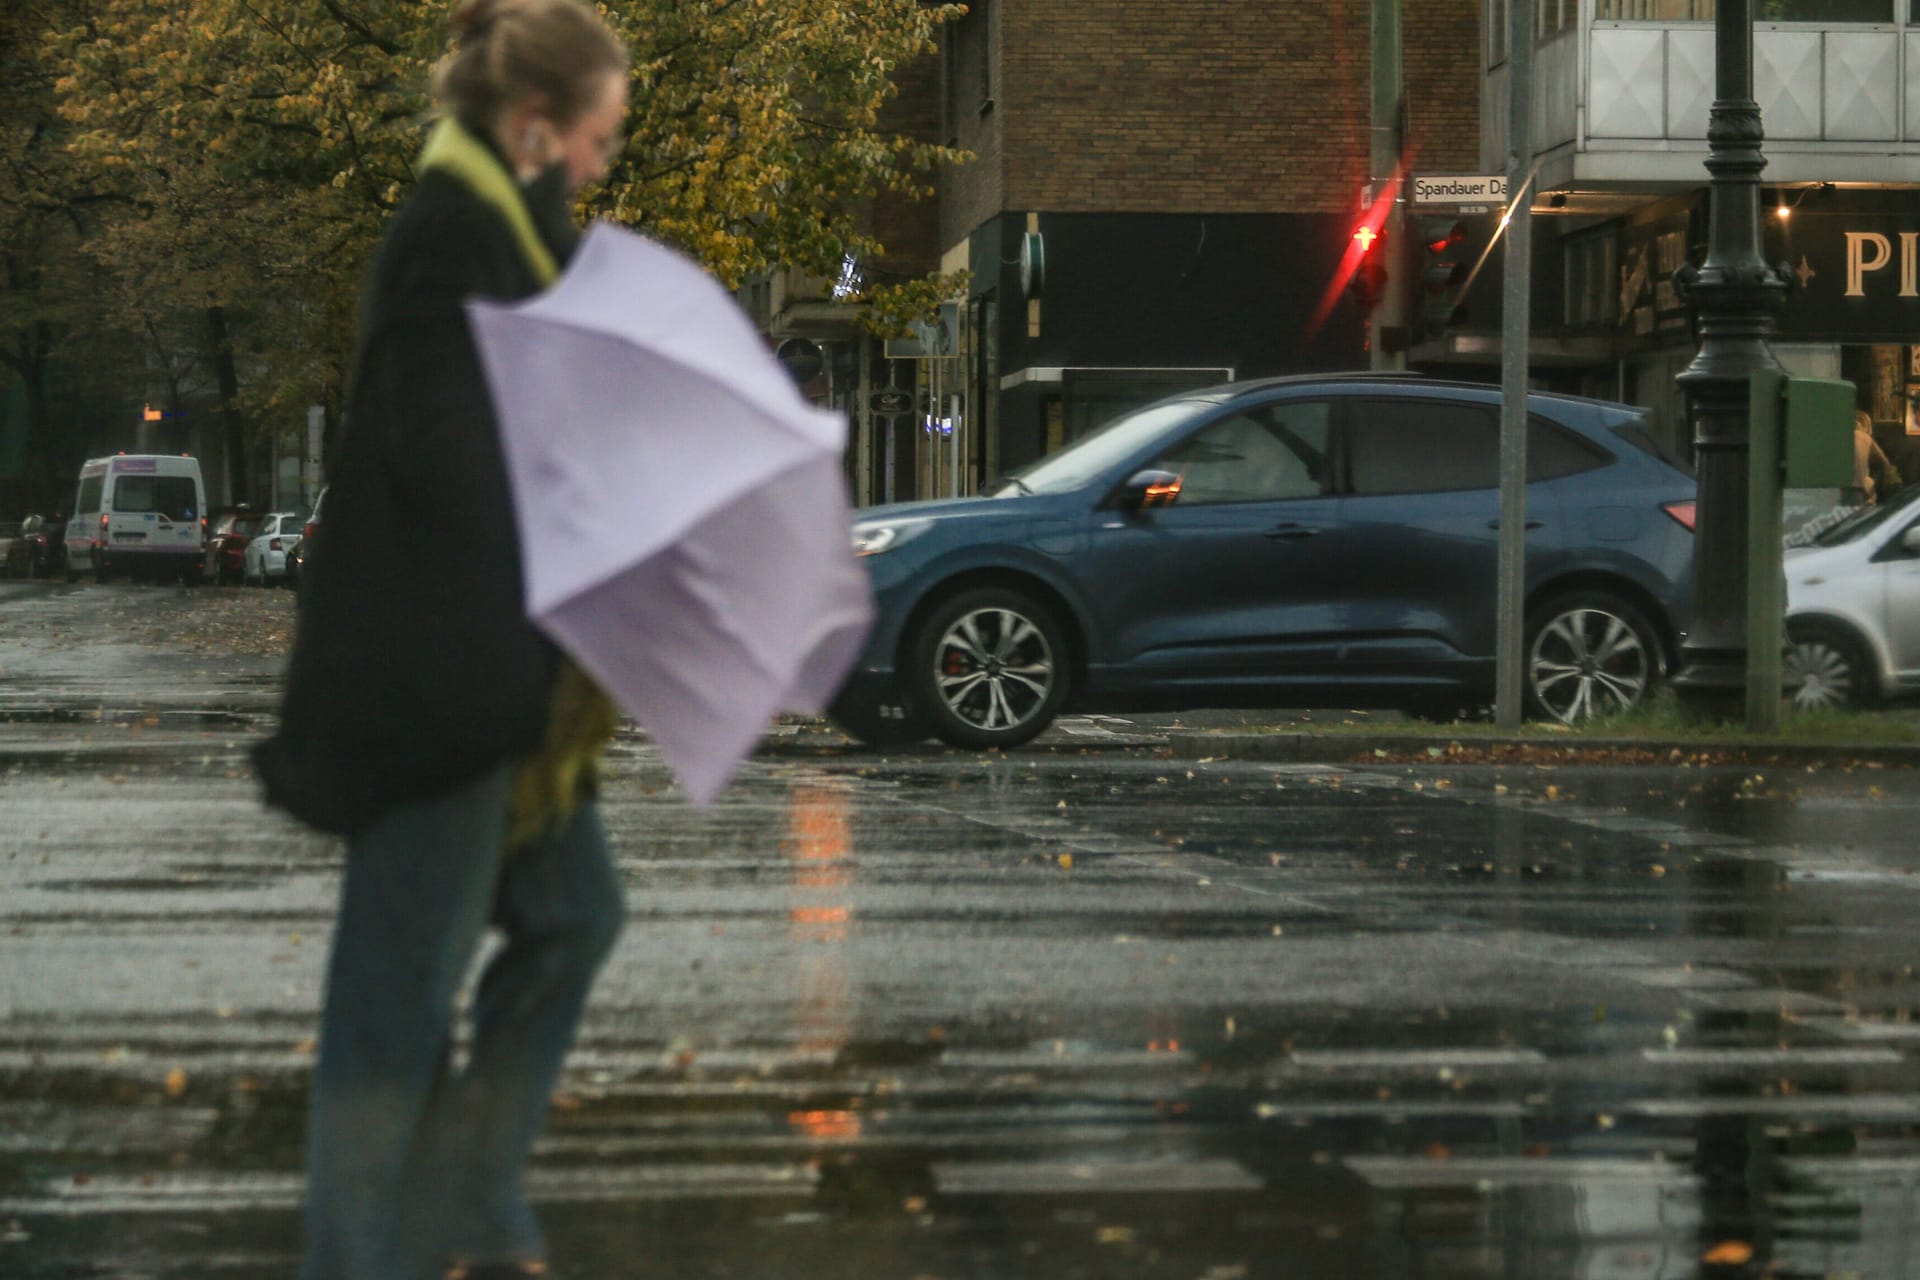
263	146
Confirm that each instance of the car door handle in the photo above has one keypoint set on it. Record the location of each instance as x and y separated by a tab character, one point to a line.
1531	524
1291	532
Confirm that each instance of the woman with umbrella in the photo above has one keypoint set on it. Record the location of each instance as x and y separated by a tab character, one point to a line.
426	719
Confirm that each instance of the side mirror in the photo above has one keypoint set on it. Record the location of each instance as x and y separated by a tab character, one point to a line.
1910	540
1145	490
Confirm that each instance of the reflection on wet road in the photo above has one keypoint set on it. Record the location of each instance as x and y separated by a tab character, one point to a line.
1093	1015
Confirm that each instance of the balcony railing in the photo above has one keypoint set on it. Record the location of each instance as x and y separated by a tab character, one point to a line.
1838	82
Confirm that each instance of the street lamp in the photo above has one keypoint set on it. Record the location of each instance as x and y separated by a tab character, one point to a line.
1735	294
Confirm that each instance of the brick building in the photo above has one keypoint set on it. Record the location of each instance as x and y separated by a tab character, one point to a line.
1160	197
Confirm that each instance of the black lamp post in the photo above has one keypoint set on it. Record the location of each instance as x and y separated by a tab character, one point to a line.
1735	294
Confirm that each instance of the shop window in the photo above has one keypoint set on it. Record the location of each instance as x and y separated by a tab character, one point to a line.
1592	294
1653	10
1823	11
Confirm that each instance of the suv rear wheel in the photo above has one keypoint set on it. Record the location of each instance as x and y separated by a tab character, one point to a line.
989	667
1588	654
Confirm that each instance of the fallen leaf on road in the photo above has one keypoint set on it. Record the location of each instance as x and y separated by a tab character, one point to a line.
176	1082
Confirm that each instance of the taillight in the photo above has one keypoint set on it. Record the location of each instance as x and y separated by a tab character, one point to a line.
1682	512
306	530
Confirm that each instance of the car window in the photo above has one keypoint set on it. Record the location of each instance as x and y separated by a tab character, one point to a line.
1422	446
89	499
1265	454
1554	451
1090	456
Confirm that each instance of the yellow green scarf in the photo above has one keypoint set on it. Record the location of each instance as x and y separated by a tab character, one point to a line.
582	719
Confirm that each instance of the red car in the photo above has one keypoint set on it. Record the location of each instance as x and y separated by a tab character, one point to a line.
227	545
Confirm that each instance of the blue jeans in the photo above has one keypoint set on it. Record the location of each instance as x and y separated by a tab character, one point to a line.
411	1162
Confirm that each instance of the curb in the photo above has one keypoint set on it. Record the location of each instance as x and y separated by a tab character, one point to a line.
1355	748
837	748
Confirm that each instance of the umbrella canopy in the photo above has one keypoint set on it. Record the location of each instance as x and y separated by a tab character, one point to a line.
683	521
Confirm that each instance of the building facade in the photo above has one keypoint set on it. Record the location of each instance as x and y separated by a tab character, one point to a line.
1621	96
1159	197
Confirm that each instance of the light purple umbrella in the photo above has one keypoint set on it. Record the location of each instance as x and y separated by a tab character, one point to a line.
683	520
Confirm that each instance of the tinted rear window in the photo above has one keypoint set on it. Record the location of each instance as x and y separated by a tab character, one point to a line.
1426	446
1422	446
90	493
172	496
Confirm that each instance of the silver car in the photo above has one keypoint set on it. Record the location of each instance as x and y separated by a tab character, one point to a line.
1853	607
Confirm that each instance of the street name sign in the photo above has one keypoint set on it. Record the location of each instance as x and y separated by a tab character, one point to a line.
1451	190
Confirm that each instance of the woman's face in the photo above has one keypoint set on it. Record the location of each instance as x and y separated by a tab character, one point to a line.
590	144
586	148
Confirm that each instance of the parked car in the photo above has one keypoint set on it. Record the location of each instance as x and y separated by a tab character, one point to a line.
266	557
227	545
1853	608
12	545
1309	541
38	550
297	558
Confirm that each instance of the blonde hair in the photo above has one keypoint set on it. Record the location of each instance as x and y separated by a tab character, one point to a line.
507	51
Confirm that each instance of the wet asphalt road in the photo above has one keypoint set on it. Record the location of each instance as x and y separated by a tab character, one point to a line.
1079	1013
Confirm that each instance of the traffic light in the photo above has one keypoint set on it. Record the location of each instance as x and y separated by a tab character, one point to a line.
1444	253
1368	283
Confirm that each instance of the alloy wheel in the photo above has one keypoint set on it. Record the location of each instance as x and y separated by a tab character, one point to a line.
994	669
1586	662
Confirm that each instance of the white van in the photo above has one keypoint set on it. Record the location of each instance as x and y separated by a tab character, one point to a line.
141	514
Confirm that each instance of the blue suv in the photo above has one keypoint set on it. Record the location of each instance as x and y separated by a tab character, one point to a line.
1310	541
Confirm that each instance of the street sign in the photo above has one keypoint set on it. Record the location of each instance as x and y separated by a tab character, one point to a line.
891	402
1455	189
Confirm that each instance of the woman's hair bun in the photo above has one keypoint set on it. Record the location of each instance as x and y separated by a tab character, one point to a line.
473	19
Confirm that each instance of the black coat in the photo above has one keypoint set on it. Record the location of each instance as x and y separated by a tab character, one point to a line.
415	669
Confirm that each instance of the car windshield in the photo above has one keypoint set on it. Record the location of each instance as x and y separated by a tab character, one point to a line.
1095	453
1865	520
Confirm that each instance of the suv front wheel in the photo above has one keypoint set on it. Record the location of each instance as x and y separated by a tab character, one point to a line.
1589	654
989	668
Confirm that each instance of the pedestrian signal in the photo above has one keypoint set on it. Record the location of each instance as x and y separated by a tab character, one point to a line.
1368	283
1444	264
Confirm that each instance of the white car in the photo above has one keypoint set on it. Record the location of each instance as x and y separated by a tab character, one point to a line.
266	556
1853	607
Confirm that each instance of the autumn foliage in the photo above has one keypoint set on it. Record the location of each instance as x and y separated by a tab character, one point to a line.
253	150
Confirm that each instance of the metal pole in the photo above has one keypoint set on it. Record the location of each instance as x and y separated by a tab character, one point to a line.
1515	321
1766	582
1390	313
1735	295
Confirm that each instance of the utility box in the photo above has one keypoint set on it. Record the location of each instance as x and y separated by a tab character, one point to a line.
1816	427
